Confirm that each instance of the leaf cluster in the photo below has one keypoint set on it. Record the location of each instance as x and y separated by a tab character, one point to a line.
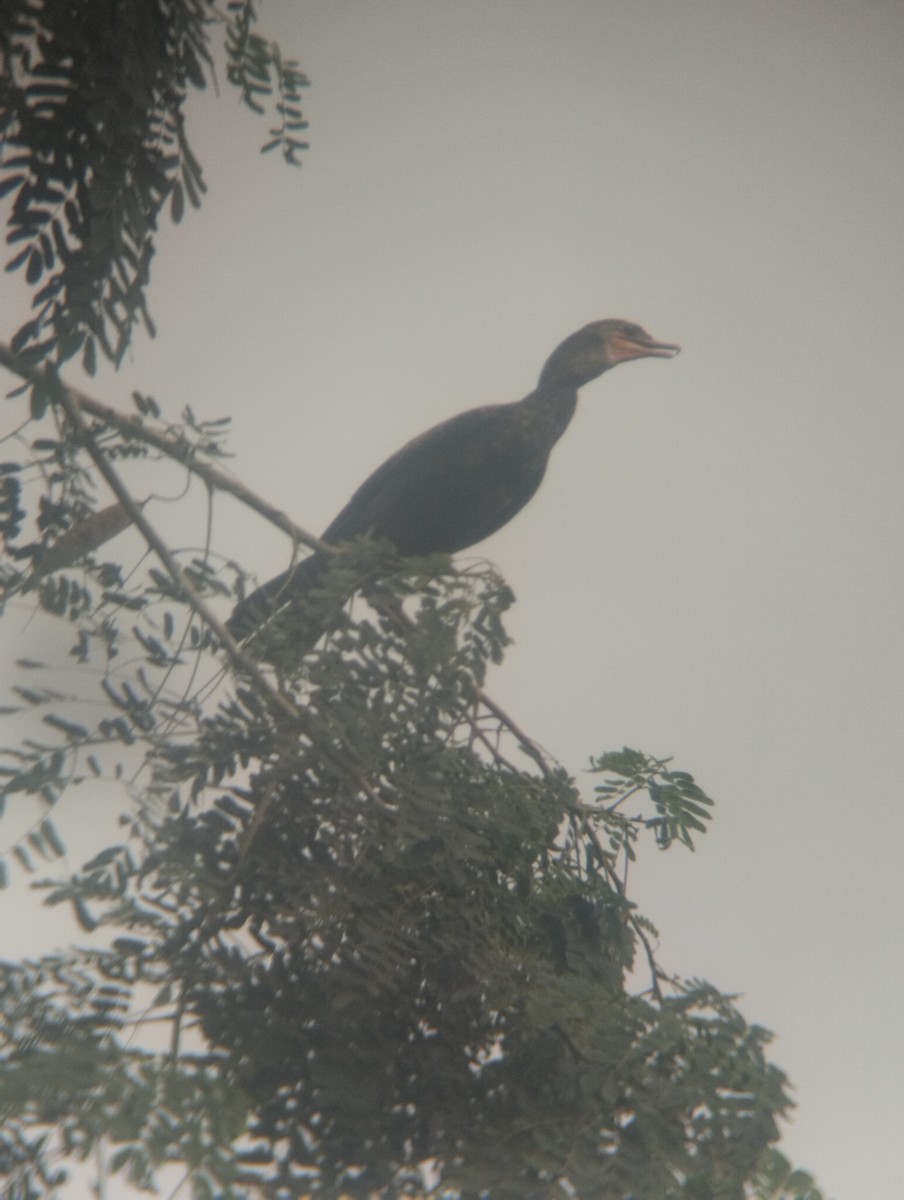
258	69
681	805
378	940
53	525
92	117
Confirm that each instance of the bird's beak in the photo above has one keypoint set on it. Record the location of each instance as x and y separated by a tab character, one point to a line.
622	348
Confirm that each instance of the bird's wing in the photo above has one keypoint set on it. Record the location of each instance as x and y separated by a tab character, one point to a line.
446	489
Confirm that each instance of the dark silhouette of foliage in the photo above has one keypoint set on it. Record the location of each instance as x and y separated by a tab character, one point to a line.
92	116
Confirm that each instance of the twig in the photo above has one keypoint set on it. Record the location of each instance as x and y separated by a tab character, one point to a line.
529	747
177	448
262	807
73	411
589	832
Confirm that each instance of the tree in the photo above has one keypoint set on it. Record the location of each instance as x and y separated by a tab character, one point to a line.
389	943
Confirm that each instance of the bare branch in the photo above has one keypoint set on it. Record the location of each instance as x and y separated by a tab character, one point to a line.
178	448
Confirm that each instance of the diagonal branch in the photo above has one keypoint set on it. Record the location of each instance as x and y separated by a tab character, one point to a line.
177	448
73	411
527	745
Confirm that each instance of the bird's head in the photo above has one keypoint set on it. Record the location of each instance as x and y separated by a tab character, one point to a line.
596	348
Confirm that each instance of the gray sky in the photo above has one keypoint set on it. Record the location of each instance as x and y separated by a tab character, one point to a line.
712	569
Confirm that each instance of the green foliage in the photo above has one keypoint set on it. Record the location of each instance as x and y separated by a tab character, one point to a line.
69	1071
92	116
257	68
681	806
384	941
776	1179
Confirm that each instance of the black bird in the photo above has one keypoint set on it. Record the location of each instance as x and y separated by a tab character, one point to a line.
467	477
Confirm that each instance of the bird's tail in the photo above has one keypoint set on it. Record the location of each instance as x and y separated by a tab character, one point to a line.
279	593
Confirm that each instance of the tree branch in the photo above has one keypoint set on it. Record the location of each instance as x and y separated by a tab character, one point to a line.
529	747
177	448
73	410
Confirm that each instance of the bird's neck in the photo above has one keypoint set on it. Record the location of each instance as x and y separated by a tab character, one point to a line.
548	410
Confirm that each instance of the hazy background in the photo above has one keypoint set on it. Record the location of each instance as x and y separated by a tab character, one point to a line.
713	567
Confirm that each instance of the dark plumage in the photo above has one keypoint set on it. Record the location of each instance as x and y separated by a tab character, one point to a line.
467	477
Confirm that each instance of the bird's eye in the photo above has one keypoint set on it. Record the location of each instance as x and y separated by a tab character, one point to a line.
633	331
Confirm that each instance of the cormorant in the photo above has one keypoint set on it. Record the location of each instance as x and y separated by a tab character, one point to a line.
467	477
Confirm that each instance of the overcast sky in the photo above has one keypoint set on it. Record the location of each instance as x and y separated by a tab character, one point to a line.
713	568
